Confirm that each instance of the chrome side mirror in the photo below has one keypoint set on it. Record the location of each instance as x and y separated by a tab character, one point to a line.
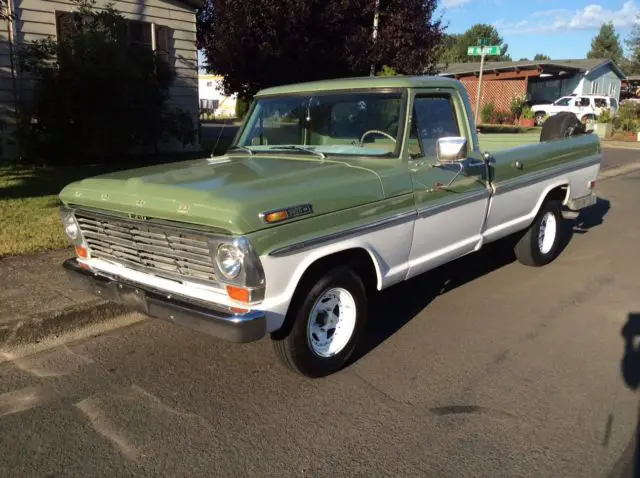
451	149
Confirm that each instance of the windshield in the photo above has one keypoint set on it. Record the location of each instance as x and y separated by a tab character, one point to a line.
362	124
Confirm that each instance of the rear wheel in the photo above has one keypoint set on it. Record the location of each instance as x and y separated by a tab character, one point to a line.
328	319
540	243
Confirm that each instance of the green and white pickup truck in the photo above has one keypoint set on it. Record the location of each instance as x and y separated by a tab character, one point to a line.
330	192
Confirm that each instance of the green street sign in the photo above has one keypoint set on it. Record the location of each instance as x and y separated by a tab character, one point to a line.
488	50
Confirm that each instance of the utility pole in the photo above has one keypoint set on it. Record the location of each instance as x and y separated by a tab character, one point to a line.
376	15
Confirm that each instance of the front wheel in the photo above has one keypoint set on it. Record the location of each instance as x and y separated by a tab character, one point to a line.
540	244
328	319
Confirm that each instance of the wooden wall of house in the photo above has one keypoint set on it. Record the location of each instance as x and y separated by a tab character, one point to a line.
36	19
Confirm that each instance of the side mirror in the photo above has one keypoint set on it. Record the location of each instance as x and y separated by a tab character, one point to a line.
451	149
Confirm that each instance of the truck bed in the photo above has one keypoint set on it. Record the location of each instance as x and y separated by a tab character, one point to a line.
493	142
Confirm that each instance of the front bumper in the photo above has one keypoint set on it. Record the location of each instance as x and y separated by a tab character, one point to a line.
247	327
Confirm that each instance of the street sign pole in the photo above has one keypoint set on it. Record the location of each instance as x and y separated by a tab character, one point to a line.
479	86
483	50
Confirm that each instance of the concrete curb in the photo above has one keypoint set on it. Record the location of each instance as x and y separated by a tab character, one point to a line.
39	326
618	171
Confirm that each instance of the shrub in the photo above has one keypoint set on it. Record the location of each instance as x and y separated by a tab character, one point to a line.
627	118
95	96
242	107
527	113
503	117
605	116
517	104
487	112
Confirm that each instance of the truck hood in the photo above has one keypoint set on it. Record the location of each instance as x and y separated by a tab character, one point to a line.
225	193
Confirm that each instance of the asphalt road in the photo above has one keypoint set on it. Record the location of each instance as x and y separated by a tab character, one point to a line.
483	368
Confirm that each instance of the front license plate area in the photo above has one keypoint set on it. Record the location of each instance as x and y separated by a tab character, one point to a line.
134	298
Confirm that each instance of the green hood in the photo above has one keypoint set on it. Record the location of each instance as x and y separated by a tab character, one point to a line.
227	194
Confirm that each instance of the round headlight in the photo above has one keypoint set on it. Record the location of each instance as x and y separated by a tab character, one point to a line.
71	229
229	260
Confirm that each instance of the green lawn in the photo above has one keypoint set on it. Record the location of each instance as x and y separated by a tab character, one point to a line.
29	220
29	209
498	142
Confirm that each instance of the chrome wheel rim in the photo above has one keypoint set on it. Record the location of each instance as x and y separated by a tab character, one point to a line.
331	322
547	232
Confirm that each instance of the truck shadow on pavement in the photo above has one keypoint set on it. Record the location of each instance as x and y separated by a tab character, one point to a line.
395	307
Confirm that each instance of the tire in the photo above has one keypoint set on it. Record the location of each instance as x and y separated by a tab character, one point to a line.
539	118
301	349
537	249
560	126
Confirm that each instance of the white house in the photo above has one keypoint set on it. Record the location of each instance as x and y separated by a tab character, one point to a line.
165	25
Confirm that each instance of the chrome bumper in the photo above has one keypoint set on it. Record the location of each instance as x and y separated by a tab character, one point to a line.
247	327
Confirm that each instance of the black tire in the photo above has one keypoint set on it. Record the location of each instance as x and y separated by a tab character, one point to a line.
294	348
560	126
528	249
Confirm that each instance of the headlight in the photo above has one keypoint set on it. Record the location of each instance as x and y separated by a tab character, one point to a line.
71	227
229	260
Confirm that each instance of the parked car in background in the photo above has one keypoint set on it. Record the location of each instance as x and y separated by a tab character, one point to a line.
585	107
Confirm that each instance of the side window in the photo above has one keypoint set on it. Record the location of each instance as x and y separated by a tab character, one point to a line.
433	117
563	102
600	102
582	102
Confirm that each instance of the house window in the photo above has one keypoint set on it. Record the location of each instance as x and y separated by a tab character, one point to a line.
138	34
612	90
595	88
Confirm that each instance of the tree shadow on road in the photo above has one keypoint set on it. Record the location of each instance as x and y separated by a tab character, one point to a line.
395	307
627	465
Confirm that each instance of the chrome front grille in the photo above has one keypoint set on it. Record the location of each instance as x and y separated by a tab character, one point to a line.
164	251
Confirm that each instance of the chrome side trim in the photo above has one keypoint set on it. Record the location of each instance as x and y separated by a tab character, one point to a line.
390	221
528	180
461	200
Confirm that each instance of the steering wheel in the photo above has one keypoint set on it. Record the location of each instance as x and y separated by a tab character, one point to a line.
371	131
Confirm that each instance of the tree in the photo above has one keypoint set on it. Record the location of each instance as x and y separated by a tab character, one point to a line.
95	95
254	44
606	45
541	57
454	48
631	65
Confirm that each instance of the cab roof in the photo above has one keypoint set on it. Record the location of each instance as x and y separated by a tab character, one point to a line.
366	82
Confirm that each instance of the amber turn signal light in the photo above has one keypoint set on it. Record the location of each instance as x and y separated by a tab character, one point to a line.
82	252
238	293
276	216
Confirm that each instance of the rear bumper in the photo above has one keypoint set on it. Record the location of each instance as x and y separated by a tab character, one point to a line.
247	327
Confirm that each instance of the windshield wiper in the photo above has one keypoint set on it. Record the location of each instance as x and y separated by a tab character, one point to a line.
300	148
240	148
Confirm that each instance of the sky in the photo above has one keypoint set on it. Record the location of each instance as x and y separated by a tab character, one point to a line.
562	29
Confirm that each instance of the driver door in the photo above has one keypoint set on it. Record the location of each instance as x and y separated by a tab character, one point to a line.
452	204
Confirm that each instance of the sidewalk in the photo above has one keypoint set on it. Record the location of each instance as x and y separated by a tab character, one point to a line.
621	144
37	300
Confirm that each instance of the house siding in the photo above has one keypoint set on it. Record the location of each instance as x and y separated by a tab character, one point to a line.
606	78
35	19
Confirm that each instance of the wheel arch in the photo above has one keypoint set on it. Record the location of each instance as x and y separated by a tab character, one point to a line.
359	258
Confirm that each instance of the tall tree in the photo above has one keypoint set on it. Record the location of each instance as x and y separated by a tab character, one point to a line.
632	65
606	44
254	44
541	57
454	49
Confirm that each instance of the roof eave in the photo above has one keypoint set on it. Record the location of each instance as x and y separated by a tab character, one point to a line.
195	3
